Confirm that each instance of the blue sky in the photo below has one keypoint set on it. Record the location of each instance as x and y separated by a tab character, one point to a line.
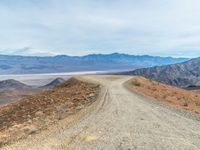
50	27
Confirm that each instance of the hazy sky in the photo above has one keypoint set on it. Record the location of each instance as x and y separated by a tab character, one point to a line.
78	27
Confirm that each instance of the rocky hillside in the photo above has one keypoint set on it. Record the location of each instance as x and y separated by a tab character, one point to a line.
14	84
173	96
185	74
53	83
12	90
37	111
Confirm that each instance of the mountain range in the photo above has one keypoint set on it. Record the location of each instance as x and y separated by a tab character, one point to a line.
186	74
11	64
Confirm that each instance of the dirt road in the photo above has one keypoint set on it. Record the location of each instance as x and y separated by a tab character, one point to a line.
121	120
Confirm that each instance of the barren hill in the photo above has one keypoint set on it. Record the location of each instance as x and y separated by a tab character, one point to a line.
185	74
12	90
39	110
12	84
173	96
53	83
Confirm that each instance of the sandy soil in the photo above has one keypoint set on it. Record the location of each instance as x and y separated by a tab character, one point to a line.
120	119
173	96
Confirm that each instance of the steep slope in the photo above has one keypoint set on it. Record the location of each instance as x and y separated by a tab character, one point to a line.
63	63
173	96
185	74
53	83
12	90
36	112
14	84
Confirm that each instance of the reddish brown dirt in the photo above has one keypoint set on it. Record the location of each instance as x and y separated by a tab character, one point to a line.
173	96
35	112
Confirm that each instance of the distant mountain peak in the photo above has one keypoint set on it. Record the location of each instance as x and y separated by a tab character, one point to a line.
53	83
11	83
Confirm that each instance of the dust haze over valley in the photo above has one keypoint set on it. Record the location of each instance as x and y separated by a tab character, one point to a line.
100	75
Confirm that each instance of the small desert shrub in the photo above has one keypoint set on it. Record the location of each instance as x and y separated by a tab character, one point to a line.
197	103
175	93
136	83
165	96
179	98
184	103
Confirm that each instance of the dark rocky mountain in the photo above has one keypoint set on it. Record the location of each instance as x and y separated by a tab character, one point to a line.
93	62
17	85
186	74
13	84
55	82
12	90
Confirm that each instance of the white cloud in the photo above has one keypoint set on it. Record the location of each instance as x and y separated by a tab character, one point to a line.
26	51
167	27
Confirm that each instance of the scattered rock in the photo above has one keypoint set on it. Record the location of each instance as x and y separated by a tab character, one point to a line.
39	113
29	129
91	95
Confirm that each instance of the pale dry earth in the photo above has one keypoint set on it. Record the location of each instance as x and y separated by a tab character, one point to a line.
120	119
